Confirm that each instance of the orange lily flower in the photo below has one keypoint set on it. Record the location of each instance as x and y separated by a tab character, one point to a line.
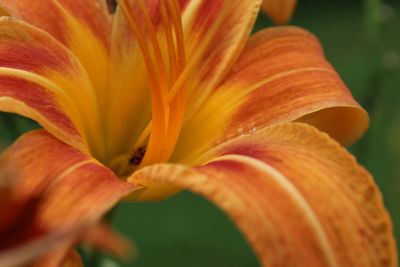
145	98
280	11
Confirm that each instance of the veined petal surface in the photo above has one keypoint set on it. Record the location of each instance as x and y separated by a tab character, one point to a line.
297	195
82	26
223	28
281	76
42	80
53	192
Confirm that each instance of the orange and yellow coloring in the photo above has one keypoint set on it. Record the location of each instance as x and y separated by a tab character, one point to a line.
280	11
144	98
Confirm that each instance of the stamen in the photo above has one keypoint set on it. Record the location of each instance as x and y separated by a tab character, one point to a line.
180	75
158	103
175	10
175	94
170	43
170	11
152	71
155	152
178	102
143	137
156	48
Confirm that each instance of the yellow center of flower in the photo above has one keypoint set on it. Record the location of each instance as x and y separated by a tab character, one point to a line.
166	83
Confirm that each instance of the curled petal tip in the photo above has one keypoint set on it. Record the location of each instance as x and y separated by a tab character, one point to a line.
103	237
280	11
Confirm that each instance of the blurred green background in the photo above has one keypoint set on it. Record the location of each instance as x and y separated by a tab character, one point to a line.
186	230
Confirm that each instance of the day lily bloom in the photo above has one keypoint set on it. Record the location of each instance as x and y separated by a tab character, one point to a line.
145	98
280	11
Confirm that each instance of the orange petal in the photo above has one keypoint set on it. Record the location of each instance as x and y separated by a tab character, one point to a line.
57	17
281	76
3	12
55	192
42	80
103	237
280	11
72	260
129	98
83	26
297	195
60	256
217	32
64	257
99	236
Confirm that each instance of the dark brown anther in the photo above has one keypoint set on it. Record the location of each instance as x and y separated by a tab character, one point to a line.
137	156
112	6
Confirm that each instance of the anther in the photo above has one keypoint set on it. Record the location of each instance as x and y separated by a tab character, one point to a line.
137	156
111	6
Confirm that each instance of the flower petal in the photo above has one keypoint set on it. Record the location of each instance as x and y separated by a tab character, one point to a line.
103	237
61	256
83	26
41	79
129	97
55	191
64	257
223	27
281	76
297	195
3	12
72	260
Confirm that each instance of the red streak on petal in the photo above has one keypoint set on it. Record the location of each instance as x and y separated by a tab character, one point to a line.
34	59
49	17
38	99
20	215
206	15
282	98
184	4
32	11
250	149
